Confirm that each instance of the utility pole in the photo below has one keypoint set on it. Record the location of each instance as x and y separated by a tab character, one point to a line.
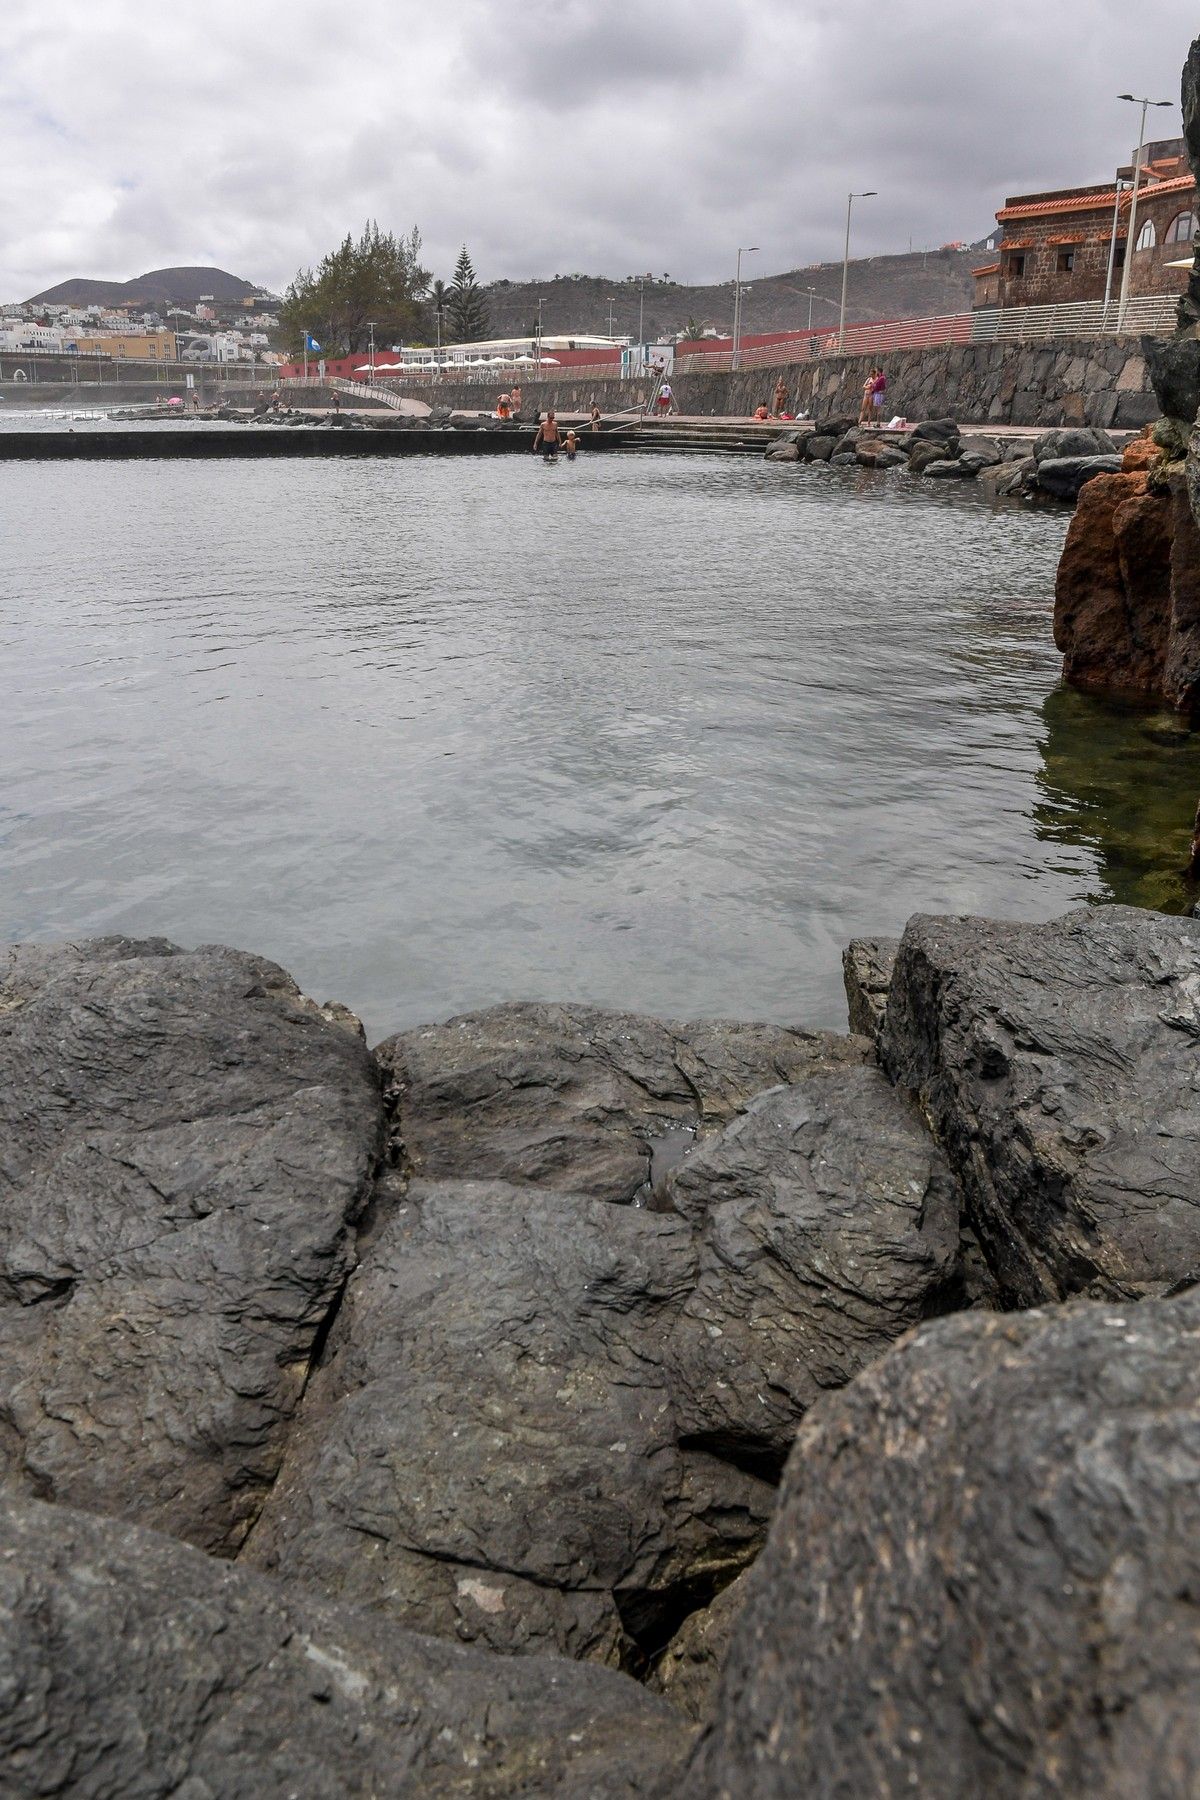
866	194
1130	238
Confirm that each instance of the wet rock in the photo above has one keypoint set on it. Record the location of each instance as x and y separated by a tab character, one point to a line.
1174	366
134	1665
1055	1064
941	470
982	1576
493	1449
1064	476
820	447
867	965
1112	601
687	1671
787	452
573	1097
1072	441
845	459
923	455
887	457
1006	479
185	1146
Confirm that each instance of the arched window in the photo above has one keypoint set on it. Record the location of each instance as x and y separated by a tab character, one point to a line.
1182	228
1146	238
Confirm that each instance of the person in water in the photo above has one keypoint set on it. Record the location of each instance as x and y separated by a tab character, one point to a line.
547	439
503	407
515	398
571	445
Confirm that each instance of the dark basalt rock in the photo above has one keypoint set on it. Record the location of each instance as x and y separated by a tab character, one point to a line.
134	1665
686	1673
1063	476
1057	1065
493	1450
935	431
1174	366
1075	441
982	1577
547	1422
185	1145
941	470
922	456
820	447
576	1098
867	965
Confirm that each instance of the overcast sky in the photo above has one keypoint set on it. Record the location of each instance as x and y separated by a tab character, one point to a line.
607	136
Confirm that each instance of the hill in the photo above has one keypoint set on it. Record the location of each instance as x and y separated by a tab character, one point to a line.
910	286
157	288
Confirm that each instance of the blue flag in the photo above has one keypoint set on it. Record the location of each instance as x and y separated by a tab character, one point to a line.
310	342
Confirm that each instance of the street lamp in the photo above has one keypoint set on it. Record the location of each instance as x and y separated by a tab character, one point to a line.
537	349
611	300
747	250
371	324
866	194
1122	186
1133	200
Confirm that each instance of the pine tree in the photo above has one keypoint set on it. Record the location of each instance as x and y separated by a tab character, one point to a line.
466	310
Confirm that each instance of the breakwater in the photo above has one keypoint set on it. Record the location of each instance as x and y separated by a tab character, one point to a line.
195	441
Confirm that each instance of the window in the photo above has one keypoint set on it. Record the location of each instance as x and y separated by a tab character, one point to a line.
1182	229
1066	261
1146	239
1016	268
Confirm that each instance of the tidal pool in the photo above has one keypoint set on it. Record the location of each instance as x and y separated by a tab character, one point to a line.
650	731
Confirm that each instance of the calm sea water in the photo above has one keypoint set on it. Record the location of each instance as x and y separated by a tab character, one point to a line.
659	732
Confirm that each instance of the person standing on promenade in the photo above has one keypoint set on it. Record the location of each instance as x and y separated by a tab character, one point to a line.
779	404
878	390
594	417
547	439
666	400
866	410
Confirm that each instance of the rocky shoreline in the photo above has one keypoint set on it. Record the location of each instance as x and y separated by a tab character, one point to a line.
414	1421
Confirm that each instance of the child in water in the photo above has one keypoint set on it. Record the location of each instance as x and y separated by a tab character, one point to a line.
571	446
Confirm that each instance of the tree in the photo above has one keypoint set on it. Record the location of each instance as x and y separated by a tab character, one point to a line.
376	279
466	310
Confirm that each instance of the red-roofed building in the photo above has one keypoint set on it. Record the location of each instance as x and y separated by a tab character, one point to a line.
1054	247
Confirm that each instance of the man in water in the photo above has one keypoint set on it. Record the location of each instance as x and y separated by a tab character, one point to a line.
547	439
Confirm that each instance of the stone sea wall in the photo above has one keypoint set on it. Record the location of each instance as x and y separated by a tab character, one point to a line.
403	1422
1079	381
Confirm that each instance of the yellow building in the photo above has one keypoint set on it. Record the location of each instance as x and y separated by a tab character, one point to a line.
149	346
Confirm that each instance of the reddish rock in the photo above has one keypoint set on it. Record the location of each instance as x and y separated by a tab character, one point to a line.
1113	586
1141	453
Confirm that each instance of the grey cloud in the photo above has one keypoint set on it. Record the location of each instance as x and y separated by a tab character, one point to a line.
552	135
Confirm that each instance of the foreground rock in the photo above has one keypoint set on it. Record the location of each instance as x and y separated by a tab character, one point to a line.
575	1098
548	1422
688	1669
185	1145
982	1578
1057	1064
133	1665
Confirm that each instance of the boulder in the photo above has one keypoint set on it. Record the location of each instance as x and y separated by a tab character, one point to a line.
545	1422
935	431
580	1099
982	1575
1174	366
838	425
819	448
923	455
1140	455
941	470
850	441
492	1449
889	457
1072	441
186	1144
785	452
133	1665
845	459
687	1671
1053	1063
1005	479
1112	598
984	450
867	965
1064	476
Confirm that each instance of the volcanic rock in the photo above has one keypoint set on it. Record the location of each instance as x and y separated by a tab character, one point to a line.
135	1666
982	1577
1057	1064
1064	476
575	1098
935	431
922	456
1112	604
1174	368
942	470
687	1671
1072	441
185	1146
867	965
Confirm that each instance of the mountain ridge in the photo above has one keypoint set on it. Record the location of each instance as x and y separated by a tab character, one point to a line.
179	286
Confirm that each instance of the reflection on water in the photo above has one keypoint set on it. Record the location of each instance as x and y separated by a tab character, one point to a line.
654	732
1122	782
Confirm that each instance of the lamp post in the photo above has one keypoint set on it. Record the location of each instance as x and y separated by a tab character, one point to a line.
746	250
371	359
537	348
1133	200
1121	185
866	194
611	299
